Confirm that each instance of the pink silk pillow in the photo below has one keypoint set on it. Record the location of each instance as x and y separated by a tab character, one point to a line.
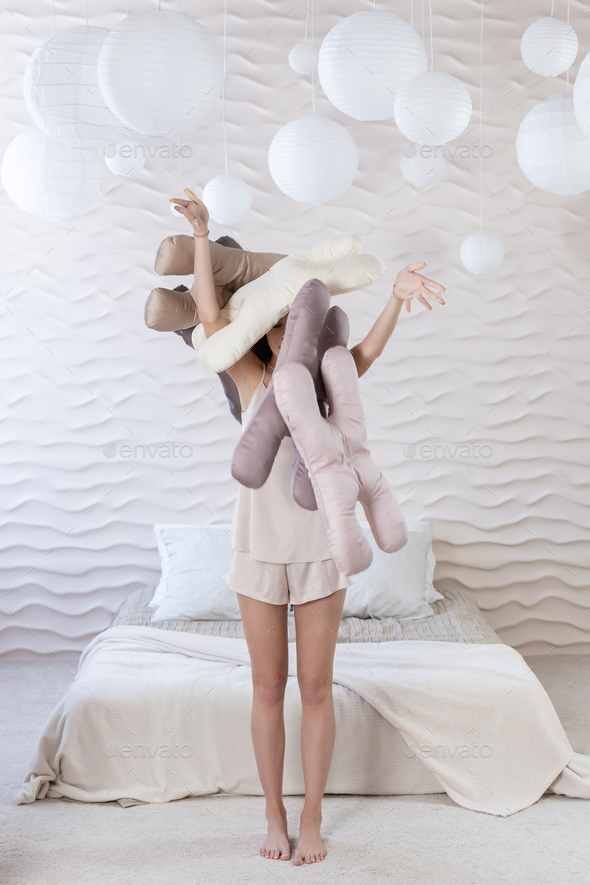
312	327
338	460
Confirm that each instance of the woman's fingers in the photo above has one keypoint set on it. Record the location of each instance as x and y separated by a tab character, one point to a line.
413	267
426	291
432	283
194	198
435	295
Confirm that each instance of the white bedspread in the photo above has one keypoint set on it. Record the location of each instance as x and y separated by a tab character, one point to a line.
474	714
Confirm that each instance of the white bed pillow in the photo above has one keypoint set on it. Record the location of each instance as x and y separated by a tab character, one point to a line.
193	558
395	585
432	595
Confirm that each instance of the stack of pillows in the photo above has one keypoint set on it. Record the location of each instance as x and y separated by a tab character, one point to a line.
193	558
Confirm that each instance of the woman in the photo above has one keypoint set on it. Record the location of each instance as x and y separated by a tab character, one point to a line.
281	555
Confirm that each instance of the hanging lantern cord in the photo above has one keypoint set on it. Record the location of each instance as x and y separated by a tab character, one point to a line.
181	163
481	116
431	50
311	43
423	25
567	78
223	91
53	16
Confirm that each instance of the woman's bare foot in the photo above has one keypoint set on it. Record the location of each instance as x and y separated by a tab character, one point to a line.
276	845
310	847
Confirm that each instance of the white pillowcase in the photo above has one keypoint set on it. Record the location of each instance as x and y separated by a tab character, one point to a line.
194	557
396	585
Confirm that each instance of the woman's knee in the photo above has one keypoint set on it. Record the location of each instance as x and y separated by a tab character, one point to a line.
315	689
270	688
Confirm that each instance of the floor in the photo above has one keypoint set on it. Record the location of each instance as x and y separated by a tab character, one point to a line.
422	840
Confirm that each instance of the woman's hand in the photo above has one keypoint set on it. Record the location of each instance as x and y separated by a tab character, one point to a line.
409	284
195	211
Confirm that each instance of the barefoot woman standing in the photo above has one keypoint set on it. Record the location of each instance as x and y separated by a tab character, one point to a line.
281	556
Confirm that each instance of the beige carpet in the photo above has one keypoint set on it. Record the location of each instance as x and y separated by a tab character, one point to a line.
423	840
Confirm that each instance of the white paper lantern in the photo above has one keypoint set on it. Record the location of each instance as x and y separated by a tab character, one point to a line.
433	108
48	178
160	71
126	158
227	198
313	159
365	59
552	150
423	166
303	58
581	93
482	252
62	93
549	46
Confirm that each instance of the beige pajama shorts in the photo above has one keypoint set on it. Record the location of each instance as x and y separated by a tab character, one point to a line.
283	582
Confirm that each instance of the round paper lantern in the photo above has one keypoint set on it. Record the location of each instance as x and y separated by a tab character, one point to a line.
581	93
303	58
549	46
313	159
433	108
423	166
160	71
62	93
126	158
227	198
365	59
482	252
48	178
552	150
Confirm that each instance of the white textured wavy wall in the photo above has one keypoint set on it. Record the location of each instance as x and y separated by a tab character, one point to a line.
505	364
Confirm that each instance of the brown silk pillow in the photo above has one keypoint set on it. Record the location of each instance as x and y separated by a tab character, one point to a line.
167	310
175	310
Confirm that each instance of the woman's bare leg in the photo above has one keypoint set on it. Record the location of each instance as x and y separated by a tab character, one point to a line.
265	628
316	624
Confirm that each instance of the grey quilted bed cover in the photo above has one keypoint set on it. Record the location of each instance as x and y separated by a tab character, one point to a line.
456	618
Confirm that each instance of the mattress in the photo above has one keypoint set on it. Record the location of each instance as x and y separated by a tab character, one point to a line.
456	618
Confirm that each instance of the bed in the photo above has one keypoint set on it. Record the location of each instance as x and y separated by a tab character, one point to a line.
160	710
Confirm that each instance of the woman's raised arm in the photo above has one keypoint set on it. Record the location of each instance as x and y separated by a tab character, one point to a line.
246	371
207	307
408	285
